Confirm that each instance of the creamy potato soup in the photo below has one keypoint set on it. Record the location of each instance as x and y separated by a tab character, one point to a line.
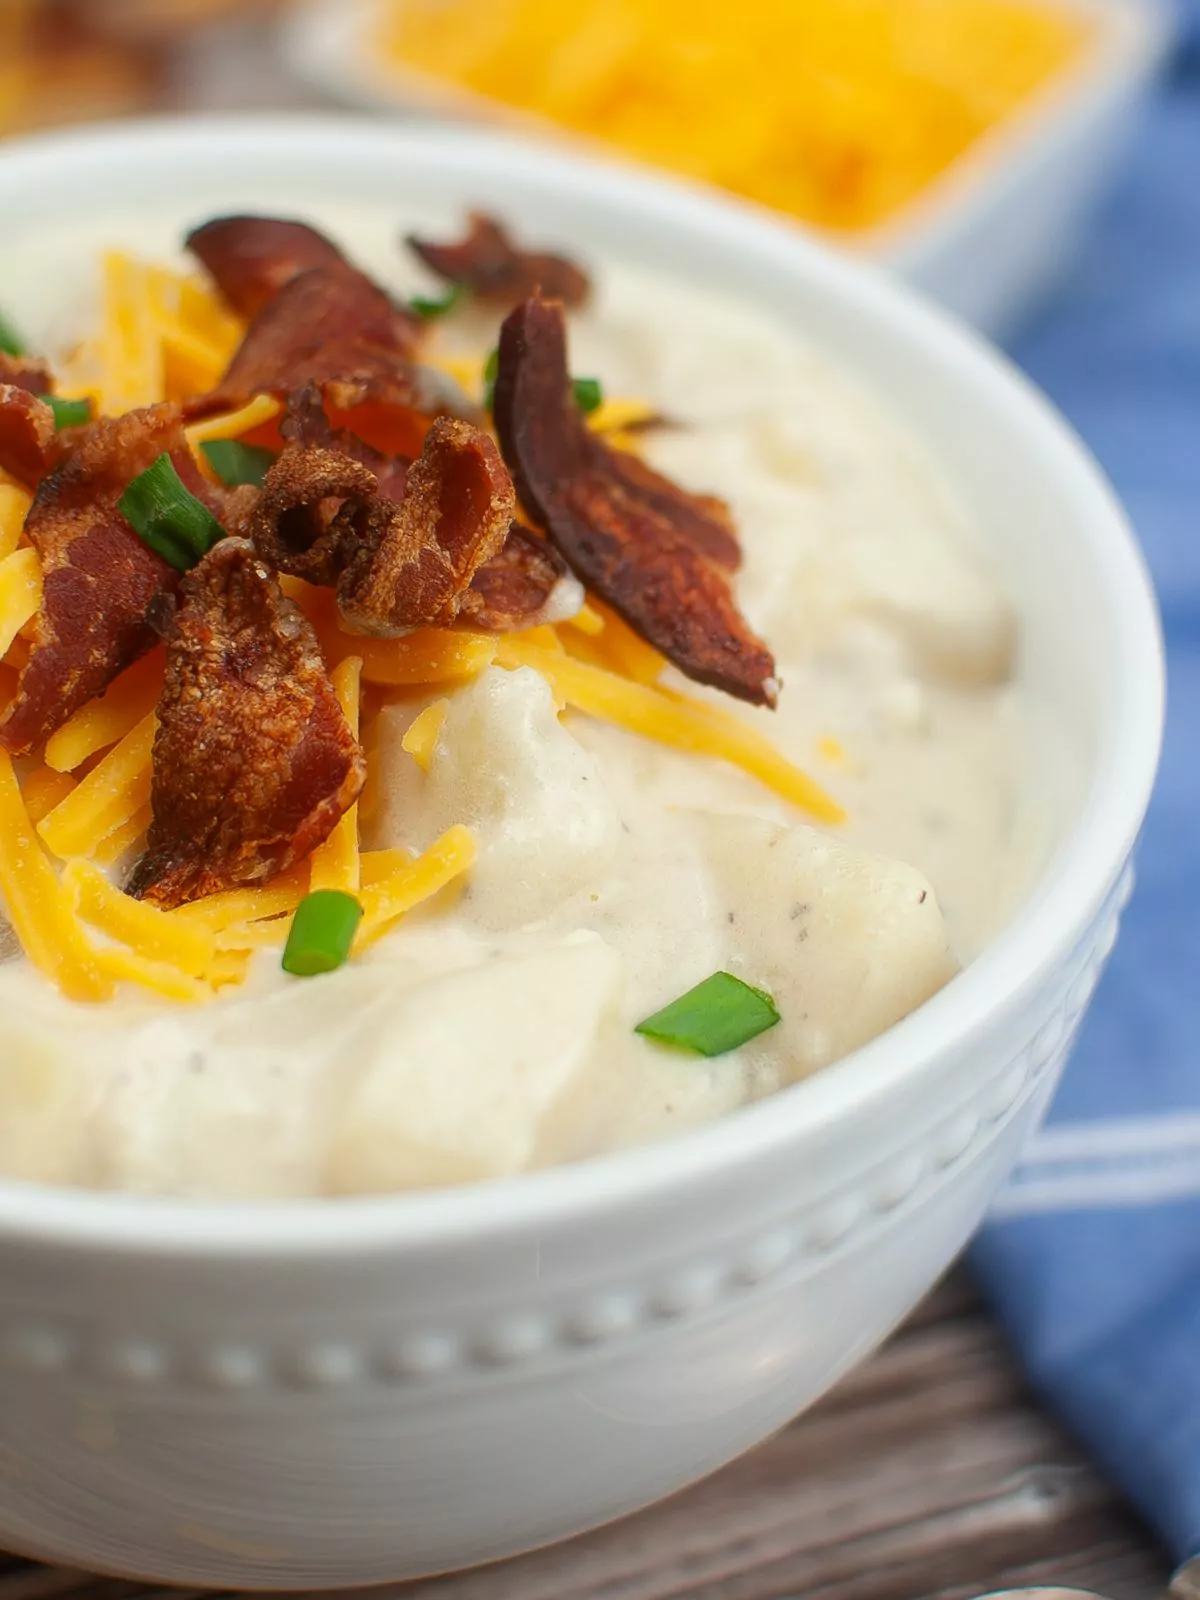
601	863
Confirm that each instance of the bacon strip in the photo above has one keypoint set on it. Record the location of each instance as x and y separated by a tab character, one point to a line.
413	568
494	269
305	423
313	509
627	532
254	762
29	443
704	519
26	372
332	327
526	582
296	526
251	258
98	578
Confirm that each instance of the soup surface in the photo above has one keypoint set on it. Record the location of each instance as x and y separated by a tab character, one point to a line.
492	1029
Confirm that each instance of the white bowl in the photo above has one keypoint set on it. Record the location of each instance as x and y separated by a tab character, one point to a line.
988	238
333	1393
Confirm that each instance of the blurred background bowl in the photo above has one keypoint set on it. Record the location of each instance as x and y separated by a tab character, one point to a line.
988	233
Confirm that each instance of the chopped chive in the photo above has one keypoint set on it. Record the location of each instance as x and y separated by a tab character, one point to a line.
68	413
168	517
322	932
589	396
10	340
236	463
427	307
491	368
716	1016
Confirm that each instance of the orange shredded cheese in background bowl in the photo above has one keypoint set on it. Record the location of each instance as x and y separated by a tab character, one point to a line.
839	112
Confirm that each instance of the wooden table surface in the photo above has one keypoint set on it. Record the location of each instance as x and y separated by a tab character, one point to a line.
929	1474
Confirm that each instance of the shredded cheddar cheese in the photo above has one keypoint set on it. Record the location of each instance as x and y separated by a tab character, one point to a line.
427	655
368	800
380	864
158	936
385	902
132	348
837	111
674	719
43	789
37	907
421	736
467	372
204	312
122	839
586	620
20	594
619	415
14	508
18	654
190	364
196	345
128	966
234	424
229	968
544	636
617	648
100	723
253	935
108	797
335	863
217	912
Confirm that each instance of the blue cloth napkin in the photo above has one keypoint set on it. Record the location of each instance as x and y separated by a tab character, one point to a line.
1092	1257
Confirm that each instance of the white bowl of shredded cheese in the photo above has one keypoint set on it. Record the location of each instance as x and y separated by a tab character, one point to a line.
987	234
259	1366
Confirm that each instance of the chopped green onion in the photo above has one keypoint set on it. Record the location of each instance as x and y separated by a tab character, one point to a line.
491	368
426	307
167	517
323	930
235	463
68	413
10	340
717	1015
589	396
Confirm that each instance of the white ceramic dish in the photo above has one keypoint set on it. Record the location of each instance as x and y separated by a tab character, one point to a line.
333	1393
988	239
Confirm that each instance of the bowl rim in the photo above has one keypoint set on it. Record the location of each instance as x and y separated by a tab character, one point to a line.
1081	876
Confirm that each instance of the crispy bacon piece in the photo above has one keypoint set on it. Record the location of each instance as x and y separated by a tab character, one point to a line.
412	567
98	578
491	266
305	423
313	508
627	532
526	582
704	519
254	762
297	529
29	443
331	327
251	258
26	372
